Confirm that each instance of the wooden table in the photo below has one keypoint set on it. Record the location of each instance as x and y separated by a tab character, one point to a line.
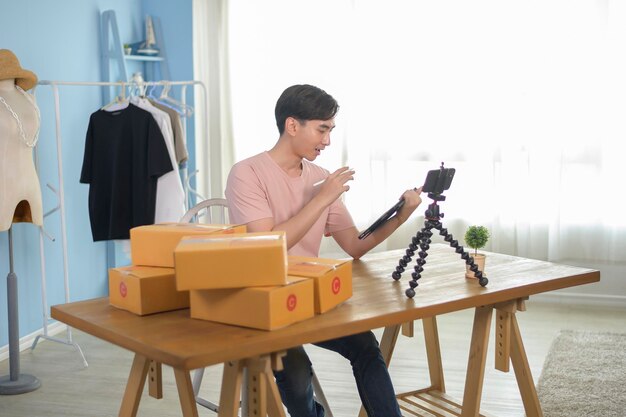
185	344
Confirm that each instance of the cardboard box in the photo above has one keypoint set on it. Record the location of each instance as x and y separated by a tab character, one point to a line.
153	245
265	308
333	279
145	290
231	261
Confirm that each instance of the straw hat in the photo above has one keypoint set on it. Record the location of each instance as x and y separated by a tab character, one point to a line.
10	68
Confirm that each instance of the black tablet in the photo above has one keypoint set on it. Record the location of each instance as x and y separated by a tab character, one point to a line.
382	219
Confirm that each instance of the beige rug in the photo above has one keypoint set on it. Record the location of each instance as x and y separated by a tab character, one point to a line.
584	375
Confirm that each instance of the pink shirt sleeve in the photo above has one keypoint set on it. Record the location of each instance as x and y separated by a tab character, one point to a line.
247	199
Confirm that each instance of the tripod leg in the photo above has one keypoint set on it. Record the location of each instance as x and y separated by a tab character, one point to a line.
424	245
469	260
406	259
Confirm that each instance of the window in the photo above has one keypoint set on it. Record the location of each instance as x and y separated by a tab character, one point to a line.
525	99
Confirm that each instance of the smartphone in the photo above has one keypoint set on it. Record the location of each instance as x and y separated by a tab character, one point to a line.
438	180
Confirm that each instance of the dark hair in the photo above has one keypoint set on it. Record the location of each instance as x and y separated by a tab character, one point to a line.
304	102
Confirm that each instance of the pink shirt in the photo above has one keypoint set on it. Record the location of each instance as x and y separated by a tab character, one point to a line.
257	188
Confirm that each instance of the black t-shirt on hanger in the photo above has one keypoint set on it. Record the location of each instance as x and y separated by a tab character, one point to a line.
125	154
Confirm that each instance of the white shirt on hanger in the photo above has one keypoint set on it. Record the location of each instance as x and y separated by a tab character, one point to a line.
170	198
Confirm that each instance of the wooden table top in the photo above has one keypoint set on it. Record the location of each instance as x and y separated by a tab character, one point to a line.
173	338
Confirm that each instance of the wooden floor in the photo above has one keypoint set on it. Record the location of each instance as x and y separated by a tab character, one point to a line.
70	390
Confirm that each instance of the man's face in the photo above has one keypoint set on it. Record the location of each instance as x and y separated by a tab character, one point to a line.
313	136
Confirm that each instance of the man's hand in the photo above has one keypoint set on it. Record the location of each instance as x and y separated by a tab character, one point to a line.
412	200
334	185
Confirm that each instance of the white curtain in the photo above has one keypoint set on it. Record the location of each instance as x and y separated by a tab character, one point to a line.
525	99
214	150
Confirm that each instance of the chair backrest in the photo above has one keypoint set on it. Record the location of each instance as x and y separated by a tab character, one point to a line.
211	211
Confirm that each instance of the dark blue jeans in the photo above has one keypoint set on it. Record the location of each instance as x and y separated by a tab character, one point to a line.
369	369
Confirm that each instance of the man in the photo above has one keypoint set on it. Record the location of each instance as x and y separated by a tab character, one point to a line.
281	189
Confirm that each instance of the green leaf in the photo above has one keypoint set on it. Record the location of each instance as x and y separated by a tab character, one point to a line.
476	237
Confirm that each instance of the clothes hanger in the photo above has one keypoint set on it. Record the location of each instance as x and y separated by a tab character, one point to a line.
183	109
138	86
153	98
119	102
151	91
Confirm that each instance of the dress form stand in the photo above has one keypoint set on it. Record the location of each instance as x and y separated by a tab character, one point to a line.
15	382
21	195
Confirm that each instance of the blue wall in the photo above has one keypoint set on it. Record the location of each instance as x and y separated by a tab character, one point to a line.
60	41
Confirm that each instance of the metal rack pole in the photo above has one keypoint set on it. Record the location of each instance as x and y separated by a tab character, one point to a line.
61	196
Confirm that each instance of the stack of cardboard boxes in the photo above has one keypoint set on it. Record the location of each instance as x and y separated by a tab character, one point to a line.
226	275
149	284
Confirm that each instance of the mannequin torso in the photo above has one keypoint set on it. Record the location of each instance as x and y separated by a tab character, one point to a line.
20	192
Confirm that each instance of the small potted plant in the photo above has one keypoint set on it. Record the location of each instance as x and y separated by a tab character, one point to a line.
128	49
476	237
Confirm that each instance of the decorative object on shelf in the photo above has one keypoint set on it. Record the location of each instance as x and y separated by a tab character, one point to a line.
148	47
128	50
476	237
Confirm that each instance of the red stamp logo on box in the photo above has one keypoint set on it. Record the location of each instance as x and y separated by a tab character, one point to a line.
292	301
336	285
123	290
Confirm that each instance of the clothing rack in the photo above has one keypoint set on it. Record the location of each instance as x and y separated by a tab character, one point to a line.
61	194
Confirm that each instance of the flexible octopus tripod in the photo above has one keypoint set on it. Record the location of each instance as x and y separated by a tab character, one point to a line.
422	240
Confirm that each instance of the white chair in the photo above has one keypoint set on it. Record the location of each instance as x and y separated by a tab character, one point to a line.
215	211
